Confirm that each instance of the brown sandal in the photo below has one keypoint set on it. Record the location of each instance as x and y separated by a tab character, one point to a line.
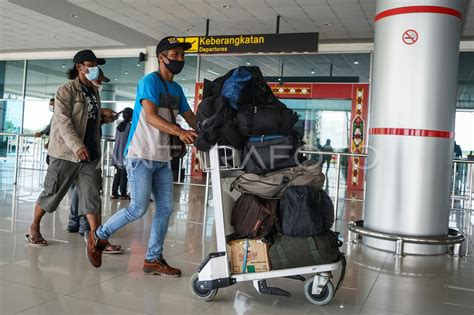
36	241
113	249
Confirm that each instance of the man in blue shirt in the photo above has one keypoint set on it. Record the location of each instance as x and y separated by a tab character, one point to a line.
148	156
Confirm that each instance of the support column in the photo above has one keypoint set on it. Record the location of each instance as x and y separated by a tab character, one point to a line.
3	109
151	63
413	106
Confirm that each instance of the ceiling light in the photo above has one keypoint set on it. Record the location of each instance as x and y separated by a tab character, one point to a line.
139	65
356	62
74	16
279	79
248	63
63	66
312	72
116	79
125	72
227	6
327	23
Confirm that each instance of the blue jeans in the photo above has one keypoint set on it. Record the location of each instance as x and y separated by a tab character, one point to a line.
76	219
145	177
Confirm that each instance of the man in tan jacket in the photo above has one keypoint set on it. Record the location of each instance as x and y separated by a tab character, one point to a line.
74	146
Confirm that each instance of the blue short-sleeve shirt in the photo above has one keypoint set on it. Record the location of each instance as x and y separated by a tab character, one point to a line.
146	141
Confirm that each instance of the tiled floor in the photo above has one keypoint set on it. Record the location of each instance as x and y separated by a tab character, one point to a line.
58	279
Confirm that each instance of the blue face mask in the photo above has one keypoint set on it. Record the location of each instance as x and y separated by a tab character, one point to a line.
93	73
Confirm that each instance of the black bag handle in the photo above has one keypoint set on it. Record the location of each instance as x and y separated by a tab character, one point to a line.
173	117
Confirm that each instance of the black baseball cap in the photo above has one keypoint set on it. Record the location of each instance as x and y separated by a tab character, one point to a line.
171	42
102	76
87	55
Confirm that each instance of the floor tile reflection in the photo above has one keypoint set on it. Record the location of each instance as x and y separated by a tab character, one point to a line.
58	279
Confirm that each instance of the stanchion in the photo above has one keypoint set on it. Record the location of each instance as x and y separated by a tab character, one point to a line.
338	179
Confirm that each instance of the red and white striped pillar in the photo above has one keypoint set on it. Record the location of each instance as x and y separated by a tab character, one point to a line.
413	106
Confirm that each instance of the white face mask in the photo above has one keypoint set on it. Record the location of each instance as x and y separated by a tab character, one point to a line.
92	73
51	108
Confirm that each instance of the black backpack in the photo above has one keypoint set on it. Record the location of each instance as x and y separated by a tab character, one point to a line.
262	155
305	212
256	91
253	217
216	124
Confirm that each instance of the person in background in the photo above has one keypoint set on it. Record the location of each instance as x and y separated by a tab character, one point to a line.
327	158
457	153
47	129
74	146
148	155
319	147
121	137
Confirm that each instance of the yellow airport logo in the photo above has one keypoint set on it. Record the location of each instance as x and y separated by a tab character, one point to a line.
194	41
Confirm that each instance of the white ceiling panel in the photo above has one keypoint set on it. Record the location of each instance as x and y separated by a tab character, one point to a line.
114	23
23	29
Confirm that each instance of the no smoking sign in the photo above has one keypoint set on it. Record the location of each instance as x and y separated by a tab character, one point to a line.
410	37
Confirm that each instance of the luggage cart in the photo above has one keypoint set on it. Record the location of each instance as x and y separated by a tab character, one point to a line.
214	272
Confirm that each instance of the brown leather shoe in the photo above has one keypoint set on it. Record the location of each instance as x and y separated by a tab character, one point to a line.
95	247
161	268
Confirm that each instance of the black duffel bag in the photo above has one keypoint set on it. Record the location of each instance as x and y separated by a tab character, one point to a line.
278	152
256	120
291	252
305	212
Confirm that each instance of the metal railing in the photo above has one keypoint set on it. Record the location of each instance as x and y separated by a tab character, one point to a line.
28	153
454	238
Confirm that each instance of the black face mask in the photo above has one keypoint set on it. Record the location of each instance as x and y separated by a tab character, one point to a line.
174	66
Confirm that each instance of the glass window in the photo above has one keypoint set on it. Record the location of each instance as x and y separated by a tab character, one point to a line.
321	67
11	79
323	119
296	68
124	74
43	77
187	79
37	116
465	131
466	81
11	116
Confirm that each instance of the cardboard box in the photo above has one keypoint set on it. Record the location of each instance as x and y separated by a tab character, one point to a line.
257	256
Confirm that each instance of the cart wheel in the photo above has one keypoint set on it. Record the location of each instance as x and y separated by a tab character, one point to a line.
322	298
200	293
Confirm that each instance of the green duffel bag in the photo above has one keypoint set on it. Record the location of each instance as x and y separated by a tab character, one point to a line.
291	252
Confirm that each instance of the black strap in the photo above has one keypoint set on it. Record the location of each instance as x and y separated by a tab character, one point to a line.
173	117
253	111
342	258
